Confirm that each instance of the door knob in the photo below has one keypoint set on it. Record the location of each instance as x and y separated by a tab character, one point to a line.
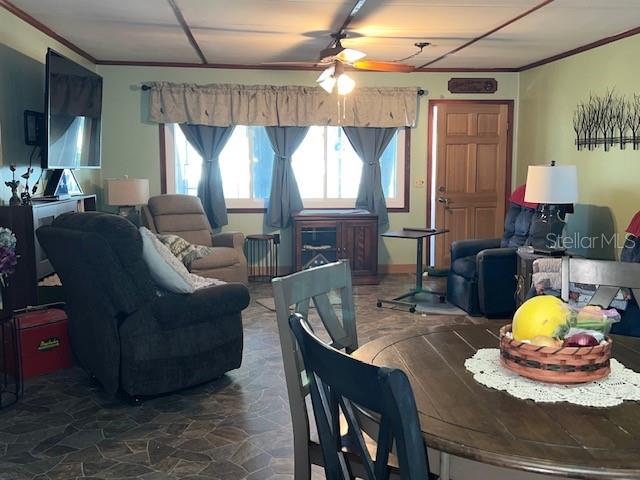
444	200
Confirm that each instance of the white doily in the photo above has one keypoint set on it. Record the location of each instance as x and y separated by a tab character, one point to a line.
622	384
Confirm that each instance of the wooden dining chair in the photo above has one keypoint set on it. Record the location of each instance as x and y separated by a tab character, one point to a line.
341	385
296	292
610	277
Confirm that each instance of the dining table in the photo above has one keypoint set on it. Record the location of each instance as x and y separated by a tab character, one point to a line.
460	417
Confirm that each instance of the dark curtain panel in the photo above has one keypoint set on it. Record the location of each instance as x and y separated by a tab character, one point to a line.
284	199
76	96
209	142
369	143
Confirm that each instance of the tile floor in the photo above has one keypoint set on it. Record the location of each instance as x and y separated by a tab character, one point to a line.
235	428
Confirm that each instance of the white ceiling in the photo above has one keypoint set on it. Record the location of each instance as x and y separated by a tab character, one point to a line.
263	31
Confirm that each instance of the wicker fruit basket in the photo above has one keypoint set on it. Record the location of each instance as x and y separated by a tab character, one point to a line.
555	364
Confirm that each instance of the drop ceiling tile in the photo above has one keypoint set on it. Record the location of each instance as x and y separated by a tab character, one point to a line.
140	30
391	29
259	31
554	29
132	12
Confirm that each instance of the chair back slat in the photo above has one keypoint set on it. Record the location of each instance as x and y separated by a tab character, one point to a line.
610	276
385	444
358	443
359	386
302	307
604	295
341	339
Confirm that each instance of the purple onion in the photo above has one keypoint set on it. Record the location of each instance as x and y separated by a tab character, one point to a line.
581	340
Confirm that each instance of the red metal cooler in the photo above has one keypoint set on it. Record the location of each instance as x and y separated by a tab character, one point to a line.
44	341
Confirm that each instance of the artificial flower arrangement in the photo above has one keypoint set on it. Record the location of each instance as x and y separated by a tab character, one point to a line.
8	257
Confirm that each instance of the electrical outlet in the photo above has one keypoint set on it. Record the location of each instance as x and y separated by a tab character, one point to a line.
419	183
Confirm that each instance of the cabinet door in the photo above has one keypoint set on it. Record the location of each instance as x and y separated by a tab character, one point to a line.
359	243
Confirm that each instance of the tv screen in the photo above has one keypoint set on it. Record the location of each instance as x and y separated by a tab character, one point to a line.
73	110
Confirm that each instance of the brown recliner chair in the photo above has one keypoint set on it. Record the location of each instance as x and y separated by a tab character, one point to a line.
184	216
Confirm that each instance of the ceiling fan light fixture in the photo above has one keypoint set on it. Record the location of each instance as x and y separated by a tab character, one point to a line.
328	84
345	84
326	73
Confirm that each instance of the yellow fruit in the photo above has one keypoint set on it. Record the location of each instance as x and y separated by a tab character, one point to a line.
543	341
541	315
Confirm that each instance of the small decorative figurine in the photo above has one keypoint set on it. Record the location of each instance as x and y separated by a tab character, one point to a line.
13	185
25	196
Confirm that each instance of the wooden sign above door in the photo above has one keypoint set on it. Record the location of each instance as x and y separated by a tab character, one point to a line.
473	85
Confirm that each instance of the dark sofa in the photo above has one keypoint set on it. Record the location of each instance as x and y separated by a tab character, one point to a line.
124	333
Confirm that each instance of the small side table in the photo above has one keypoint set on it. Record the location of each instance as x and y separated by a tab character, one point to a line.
262	256
524	275
418	235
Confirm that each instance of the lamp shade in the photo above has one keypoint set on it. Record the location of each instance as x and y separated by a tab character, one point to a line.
127	191
552	185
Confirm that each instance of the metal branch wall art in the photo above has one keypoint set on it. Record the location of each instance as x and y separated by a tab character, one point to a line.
607	120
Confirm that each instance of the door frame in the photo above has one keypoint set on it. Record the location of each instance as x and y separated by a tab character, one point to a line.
430	159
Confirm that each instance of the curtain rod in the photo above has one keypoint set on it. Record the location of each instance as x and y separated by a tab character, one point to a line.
145	87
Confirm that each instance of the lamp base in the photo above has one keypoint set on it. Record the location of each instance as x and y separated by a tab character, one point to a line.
546	228
131	213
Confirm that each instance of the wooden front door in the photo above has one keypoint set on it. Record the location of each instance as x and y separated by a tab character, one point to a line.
470	171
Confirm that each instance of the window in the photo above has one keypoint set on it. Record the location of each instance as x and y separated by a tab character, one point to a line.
326	167
245	164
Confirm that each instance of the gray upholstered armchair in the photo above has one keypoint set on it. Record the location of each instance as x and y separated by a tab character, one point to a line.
184	216
121	331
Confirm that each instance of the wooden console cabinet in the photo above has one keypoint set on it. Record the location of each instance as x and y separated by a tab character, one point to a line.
324	236
33	264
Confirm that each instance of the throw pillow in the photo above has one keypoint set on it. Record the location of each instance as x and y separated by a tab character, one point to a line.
199	282
166	270
184	251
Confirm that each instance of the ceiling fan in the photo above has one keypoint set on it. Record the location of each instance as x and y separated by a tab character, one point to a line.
337	56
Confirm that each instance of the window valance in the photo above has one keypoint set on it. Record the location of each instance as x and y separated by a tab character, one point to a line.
223	105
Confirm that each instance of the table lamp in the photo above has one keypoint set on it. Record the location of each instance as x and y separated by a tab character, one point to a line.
555	189
127	194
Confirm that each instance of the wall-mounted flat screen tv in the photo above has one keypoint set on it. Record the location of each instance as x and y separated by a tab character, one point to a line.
73	111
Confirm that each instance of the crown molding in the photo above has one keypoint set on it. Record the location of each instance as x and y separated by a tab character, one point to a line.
584	48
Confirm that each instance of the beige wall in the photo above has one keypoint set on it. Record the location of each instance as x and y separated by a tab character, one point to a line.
22	57
131	145
608	181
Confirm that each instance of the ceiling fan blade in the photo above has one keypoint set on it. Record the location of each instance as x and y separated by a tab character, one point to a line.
349	55
379	66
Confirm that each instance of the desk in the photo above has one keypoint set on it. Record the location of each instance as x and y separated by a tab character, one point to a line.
418	235
458	416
